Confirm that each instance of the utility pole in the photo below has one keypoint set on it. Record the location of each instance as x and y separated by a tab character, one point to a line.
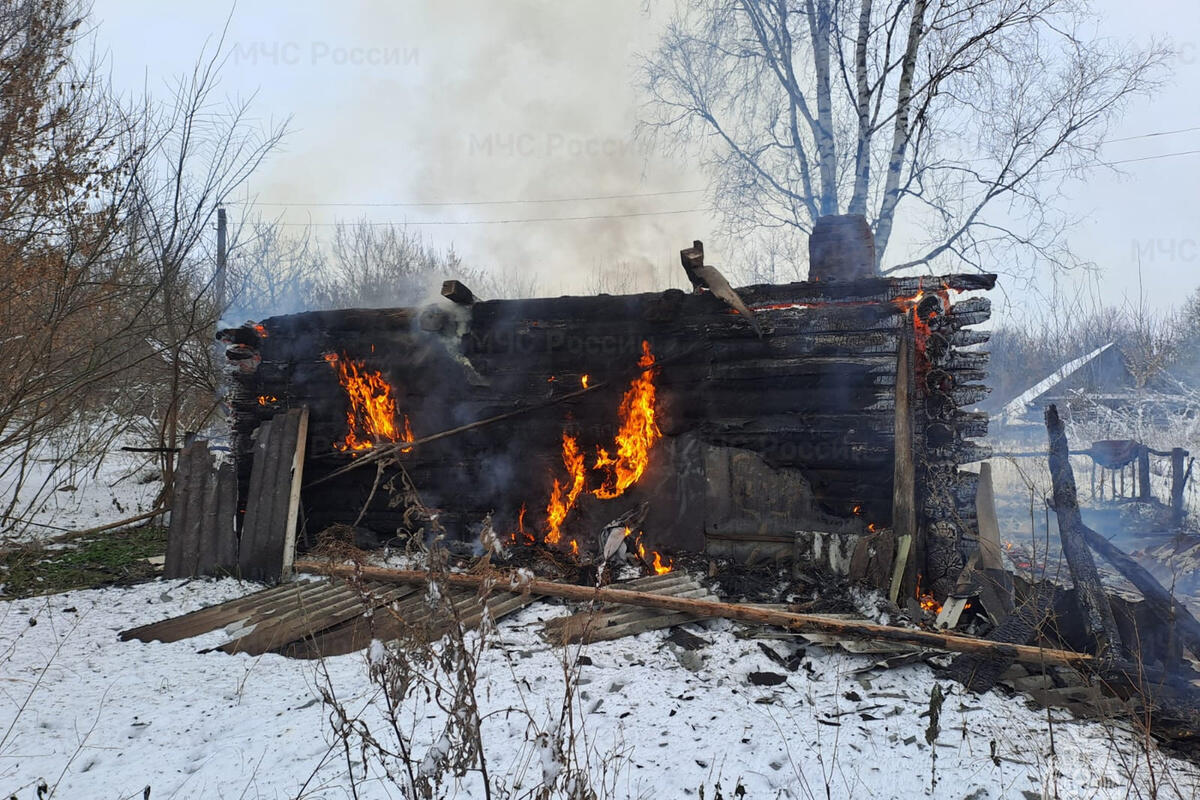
220	277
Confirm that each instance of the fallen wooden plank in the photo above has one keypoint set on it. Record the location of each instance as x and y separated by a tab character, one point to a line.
516	582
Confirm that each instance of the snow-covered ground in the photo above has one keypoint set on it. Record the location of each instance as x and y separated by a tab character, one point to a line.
93	717
75	489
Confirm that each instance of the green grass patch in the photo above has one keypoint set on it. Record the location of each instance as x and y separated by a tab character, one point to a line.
100	559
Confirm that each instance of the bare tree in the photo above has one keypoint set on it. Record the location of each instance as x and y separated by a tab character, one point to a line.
380	264
67	156
963	117
200	150
273	272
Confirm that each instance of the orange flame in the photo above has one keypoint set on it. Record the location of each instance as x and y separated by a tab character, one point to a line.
560	506
922	327
371	415
639	431
927	601
574	547
657	563
261	330
267	399
584	381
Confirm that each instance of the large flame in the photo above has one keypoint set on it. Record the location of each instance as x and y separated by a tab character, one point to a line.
637	435
371	412
639	431
563	499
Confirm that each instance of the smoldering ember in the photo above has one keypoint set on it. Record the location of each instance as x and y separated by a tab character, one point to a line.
414	446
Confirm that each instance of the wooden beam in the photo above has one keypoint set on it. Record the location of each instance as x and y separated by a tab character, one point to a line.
989	523
515	582
293	507
1089	592
904	471
457	292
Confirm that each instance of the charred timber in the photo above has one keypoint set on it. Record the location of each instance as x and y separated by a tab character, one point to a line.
816	394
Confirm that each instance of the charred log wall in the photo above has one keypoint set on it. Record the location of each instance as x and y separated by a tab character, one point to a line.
815	394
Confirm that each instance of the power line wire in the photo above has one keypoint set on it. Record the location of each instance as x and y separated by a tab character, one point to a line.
630	214
501	221
416	204
590	198
1151	135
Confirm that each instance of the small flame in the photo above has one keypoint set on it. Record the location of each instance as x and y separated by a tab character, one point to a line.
371	415
261	330
639	431
872	527
927	601
267	399
661	568
584	381
858	511
574	547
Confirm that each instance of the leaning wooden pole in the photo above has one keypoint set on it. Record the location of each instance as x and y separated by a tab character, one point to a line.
1089	592
1157	596
512	581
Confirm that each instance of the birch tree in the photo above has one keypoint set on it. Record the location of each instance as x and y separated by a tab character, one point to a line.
959	119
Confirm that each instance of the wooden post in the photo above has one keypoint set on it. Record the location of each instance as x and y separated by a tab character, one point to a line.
1144	473
219	284
1093	603
1178	456
904	476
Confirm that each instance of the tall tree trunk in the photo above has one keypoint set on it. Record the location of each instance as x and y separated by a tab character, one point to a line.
862	153
900	132
819	29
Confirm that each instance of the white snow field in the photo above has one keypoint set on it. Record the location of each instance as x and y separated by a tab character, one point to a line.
88	716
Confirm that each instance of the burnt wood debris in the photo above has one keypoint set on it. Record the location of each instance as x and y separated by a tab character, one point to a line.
814	432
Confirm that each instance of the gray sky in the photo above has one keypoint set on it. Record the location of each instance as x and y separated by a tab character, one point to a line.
450	100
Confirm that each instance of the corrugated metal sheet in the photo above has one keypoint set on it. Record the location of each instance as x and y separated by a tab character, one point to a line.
312	619
614	622
202	538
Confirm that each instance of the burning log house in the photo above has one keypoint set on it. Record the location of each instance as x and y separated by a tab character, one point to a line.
838	435
825	422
